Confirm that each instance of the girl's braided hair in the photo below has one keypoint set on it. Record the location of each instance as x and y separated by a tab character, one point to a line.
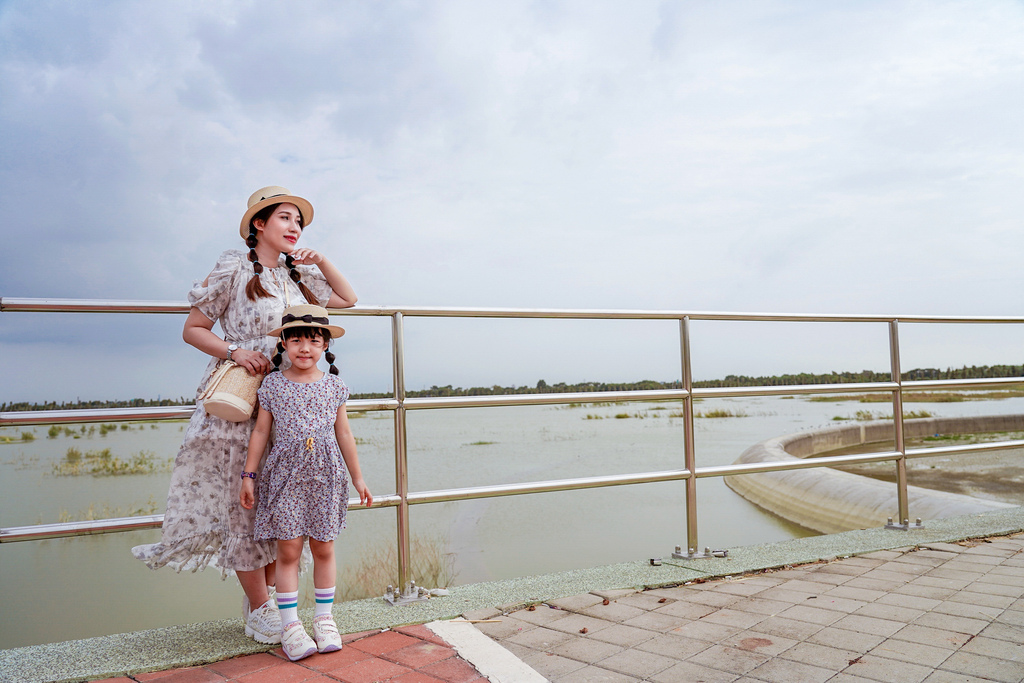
309	333
254	288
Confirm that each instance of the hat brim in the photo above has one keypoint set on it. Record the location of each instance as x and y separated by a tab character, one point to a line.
305	208
333	329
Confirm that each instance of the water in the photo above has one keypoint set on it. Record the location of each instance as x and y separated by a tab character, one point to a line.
75	588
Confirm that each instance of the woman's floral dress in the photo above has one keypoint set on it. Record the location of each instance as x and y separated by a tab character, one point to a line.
204	522
303	487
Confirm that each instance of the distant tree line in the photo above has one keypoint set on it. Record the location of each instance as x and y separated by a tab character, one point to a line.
88	405
542	387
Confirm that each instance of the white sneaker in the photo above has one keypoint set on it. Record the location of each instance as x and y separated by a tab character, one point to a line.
296	643
271	593
264	623
325	633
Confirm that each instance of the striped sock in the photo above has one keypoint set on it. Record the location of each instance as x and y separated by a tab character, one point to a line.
288	604
324	600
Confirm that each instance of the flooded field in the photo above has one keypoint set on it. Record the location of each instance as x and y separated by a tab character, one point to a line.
95	472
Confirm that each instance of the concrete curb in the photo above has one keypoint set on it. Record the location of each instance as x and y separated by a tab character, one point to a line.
489	658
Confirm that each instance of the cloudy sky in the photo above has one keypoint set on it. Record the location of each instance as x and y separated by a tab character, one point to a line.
842	157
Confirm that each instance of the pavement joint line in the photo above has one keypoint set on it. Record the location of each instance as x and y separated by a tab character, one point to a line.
204	643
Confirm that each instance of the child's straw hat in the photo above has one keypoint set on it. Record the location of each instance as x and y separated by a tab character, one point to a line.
306	315
274	194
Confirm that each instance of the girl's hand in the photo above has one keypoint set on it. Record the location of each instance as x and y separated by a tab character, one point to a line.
306	257
253	361
247	497
365	497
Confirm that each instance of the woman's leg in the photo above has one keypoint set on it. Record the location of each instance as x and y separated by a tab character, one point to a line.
255	586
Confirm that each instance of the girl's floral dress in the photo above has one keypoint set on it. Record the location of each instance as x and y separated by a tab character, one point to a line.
303	488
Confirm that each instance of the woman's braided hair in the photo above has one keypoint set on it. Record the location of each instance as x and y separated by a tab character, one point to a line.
254	288
310	333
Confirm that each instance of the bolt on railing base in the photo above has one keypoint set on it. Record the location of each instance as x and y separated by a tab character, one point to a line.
906	526
692	554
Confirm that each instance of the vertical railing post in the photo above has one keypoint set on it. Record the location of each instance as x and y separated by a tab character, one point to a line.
401	449
689	448
902	503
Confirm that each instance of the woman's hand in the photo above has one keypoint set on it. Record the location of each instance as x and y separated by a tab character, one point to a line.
253	361
247	497
365	497
306	257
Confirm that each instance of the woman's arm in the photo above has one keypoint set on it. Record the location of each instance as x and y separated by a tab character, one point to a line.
347	442
199	333
257	445
344	296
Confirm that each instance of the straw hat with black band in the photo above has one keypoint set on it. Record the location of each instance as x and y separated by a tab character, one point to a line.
306	315
274	194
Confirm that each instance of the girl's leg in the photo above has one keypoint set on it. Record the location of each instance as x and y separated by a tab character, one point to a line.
324	567
324	575
295	642
289	551
325	631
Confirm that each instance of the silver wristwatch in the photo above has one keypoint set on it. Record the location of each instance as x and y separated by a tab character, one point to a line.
231	349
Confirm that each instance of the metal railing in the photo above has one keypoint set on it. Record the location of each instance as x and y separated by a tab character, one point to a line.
400	404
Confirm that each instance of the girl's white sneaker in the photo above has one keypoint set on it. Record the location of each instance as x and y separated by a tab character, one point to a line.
295	642
263	624
325	633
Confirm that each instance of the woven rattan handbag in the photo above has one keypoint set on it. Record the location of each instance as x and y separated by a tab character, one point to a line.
231	393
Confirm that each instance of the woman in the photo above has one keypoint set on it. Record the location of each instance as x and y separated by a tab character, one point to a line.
246	294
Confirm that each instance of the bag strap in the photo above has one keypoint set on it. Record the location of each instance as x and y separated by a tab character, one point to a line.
216	377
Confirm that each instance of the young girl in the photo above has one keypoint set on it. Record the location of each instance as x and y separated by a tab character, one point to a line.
302	491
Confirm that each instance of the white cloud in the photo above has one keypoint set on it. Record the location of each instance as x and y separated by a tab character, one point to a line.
734	156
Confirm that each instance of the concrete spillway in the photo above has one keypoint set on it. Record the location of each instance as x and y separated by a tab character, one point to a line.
830	501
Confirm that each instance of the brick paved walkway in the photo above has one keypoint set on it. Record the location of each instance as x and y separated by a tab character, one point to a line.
944	613
938	613
410	654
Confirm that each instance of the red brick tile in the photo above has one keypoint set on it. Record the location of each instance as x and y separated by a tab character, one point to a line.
369	671
189	675
349	637
453	670
415	677
419	655
233	668
286	672
120	679
346	656
423	633
383	642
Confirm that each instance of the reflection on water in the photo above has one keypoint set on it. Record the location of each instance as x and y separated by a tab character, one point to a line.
102	589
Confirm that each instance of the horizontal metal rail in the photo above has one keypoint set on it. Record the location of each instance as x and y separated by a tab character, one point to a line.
26	418
401	402
37	305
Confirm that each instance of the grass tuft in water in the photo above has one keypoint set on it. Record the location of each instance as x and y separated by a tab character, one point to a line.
106	511
104	464
431	567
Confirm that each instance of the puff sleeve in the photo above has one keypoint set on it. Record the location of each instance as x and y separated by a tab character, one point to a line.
341	390
213	298
265	392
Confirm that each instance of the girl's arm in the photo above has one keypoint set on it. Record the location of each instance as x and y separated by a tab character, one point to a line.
344	296
347	442
199	333
257	445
